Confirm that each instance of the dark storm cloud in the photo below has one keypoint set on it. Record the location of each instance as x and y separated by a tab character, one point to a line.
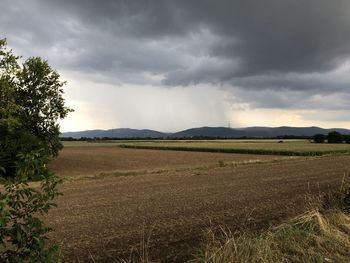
266	36
245	44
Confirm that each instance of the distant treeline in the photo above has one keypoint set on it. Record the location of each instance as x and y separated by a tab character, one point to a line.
183	138
332	137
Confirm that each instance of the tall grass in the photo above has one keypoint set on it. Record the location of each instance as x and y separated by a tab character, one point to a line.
320	235
140	254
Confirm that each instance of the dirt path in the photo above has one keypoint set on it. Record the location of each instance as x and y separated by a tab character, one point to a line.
105	218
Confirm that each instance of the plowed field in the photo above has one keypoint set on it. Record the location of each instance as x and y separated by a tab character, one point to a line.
84	161
102	219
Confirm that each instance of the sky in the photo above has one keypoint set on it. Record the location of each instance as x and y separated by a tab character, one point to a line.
169	65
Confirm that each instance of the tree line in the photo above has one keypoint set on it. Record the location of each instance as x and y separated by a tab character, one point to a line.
331	137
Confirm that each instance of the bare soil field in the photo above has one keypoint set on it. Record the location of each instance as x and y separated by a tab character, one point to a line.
93	160
104	219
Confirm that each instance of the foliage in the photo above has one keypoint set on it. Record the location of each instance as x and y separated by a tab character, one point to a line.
334	137
319	138
39	115
22	233
31	103
346	138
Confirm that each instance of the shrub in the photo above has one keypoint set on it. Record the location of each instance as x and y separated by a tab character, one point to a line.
22	233
334	137
319	138
346	138
31	103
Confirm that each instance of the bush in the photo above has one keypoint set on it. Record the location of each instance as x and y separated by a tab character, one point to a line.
346	138
334	137
22	233
31	104
319	138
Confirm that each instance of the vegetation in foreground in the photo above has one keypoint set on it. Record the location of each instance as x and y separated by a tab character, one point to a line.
319	235
31	103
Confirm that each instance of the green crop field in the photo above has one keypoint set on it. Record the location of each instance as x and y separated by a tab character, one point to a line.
288	147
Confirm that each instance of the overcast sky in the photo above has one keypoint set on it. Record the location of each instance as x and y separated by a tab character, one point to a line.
175	64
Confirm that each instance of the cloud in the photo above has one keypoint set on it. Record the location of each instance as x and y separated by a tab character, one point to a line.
143	106
271	54
265	36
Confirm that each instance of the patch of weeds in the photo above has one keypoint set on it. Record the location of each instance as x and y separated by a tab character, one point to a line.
222	163
320	235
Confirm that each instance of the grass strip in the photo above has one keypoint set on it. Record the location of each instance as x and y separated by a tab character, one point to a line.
235	150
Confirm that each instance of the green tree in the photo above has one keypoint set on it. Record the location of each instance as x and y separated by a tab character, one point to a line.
346	138
31	105
39	114
8	108
319	138
335	137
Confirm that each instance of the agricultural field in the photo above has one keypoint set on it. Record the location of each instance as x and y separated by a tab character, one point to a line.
276	147
89	159
137	204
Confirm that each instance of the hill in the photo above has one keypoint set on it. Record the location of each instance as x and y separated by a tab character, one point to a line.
214	132
116	133
256	132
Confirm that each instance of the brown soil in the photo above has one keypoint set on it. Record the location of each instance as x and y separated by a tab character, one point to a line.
75	161
104	219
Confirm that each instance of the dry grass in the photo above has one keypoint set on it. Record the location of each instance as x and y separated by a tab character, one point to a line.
319	235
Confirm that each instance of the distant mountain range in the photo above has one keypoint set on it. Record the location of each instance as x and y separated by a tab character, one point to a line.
116	133
215	132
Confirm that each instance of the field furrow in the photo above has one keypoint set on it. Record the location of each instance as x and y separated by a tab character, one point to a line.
105	218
